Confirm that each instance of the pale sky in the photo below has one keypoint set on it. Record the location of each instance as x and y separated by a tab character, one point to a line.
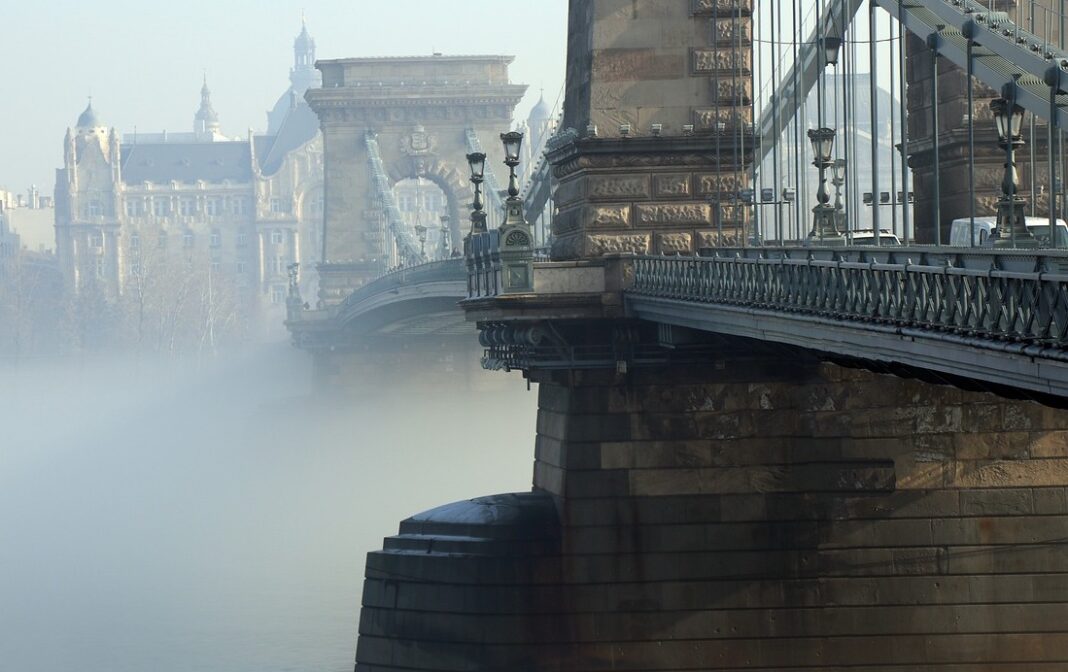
142	60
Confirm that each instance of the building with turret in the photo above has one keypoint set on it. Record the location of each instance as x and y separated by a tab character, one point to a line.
234	213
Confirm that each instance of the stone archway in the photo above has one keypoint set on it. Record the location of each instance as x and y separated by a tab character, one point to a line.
420	109
452	182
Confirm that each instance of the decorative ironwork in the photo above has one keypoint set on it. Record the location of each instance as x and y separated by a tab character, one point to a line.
408	251
1001	296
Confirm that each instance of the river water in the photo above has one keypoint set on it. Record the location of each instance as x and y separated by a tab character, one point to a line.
215	517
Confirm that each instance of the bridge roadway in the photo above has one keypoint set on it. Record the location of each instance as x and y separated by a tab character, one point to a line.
998	317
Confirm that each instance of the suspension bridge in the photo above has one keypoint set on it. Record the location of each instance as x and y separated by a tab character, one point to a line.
778	427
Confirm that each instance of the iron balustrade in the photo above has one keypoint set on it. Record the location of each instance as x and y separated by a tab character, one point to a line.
1004	295
445	270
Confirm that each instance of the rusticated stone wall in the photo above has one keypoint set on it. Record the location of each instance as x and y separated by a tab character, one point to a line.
680	65
752	514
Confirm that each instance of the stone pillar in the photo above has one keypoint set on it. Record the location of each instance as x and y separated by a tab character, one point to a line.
659	97
751	514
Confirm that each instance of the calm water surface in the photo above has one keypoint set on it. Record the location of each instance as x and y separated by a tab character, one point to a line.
215	517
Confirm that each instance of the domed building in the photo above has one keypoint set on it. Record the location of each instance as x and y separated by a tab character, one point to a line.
538	128
302	77
240	209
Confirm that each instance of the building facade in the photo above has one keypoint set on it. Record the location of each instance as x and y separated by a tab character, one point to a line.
219	216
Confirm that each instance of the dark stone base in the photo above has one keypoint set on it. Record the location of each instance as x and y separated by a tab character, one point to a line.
772	515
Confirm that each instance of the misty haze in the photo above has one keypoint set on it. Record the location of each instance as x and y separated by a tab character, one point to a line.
556	336
179	489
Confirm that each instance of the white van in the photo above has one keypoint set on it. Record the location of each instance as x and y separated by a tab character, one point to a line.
986	229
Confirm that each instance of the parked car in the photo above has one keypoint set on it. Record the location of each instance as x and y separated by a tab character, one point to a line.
867	237
858	237
986	231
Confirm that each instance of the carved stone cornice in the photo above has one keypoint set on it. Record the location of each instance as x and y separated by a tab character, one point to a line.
695	151
414	96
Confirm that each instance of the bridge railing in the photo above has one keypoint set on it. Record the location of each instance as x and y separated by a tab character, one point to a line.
444	270
1008	296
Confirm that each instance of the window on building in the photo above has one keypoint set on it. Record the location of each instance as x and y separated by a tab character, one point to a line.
406	203
276	237
279	205
215	267
278	294
187	207
135	241
161	207
242	239
240	267
135	207
213	207
95	208
97	239
187	239
216	238
239	206
279	265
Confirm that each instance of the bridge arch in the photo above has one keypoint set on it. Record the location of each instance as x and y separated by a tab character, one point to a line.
446	175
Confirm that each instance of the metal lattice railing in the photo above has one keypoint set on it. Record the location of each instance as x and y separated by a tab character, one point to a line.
1029	306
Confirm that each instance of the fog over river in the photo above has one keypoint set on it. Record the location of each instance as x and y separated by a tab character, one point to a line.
215	517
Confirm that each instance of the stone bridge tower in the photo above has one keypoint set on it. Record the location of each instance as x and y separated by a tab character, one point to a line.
421	109
660	95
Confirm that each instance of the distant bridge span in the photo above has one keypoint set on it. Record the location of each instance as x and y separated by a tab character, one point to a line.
409	302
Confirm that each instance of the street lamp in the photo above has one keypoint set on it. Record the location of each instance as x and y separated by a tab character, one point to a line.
831	44
513	141
477	162
1011	217
823	224
420	232
838	178
516	239
445	236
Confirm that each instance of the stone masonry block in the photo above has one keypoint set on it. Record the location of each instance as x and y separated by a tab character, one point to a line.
602	244
674	243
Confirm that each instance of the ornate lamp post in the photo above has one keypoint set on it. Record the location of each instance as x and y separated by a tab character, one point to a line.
477	162
823	224
513	142
516	239
1011	223
420	232
838	177
444	236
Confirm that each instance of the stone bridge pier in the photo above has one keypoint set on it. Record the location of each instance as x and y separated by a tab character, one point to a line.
762	511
